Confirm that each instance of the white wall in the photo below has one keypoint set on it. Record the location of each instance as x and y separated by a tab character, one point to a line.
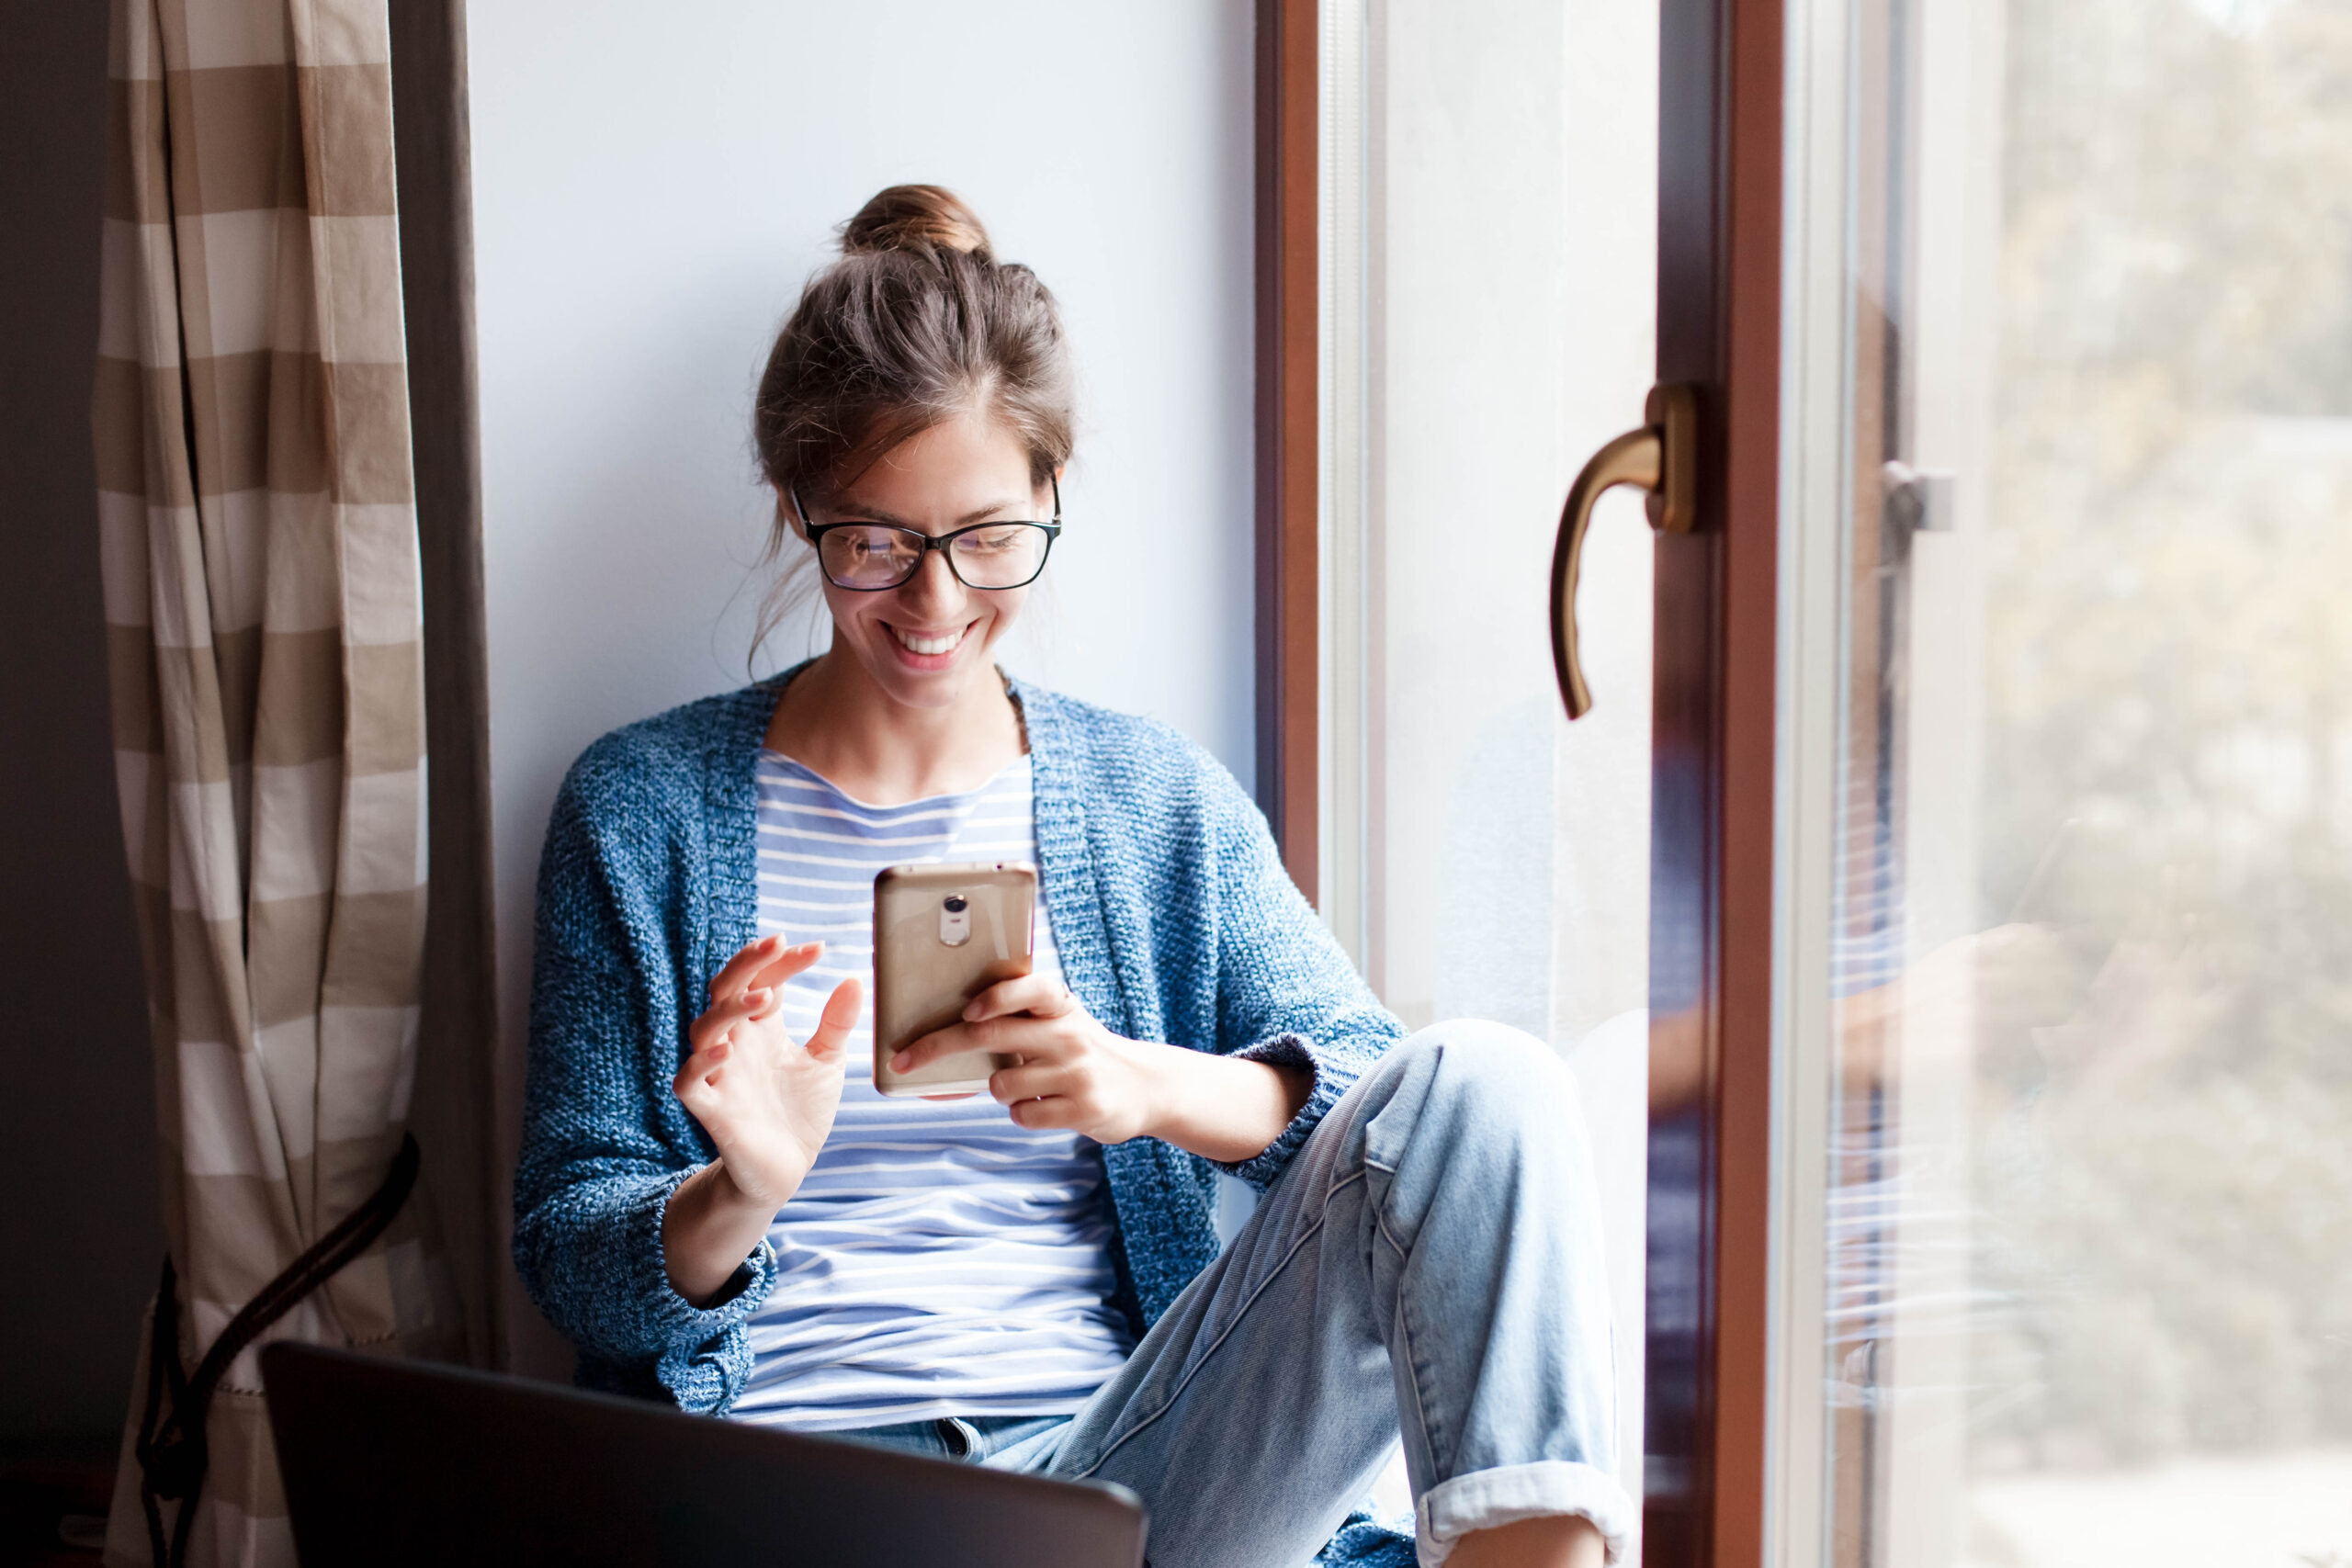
652	185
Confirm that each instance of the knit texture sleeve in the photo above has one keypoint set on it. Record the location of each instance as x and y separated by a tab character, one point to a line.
1287	994
604	1141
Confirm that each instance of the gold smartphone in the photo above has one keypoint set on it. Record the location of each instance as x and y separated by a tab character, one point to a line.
942	935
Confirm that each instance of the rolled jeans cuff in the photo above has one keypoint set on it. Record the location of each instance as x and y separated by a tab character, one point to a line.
1488	1499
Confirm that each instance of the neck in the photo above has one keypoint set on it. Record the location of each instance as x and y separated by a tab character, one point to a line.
834	720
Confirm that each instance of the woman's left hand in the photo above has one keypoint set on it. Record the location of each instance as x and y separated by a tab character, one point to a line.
1073	1073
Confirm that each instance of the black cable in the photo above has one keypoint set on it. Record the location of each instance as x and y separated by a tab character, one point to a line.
171	1451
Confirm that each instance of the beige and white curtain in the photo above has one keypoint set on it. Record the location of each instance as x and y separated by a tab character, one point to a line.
262	596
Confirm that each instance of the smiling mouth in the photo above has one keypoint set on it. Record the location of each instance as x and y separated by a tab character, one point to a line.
944	642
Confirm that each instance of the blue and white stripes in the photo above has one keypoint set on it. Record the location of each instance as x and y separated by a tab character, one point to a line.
939	1260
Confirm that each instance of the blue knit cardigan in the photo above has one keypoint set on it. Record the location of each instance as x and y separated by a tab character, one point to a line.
1174	919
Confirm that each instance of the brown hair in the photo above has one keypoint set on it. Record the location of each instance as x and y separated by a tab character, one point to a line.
916	323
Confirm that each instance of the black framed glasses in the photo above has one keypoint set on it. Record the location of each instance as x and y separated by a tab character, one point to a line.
867	558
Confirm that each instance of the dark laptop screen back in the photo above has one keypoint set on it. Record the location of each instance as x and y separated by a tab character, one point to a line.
396	1464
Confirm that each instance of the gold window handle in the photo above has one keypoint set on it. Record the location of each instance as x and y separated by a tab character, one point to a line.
1663	458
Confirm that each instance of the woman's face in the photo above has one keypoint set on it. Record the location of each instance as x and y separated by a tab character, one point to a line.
926	643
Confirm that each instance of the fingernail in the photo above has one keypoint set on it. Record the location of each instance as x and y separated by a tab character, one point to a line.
972	1013
899	1062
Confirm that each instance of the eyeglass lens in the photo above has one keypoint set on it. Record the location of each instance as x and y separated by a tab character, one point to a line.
1006	556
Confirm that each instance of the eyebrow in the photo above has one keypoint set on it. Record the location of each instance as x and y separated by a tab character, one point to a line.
877	514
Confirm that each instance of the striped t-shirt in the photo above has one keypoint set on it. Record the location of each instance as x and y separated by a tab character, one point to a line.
938	1260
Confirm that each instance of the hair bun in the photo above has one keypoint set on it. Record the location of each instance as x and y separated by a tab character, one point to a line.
915	218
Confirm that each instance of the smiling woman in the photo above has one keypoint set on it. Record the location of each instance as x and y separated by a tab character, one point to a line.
960	489
713	1199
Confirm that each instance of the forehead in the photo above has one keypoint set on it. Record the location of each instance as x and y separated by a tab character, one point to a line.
958	465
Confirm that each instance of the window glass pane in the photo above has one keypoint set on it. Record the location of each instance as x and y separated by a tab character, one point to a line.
1510	236
2087	1216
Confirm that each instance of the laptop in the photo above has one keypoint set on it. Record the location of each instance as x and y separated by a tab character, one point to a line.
397	1463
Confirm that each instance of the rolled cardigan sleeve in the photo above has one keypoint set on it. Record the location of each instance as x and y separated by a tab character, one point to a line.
706	1354
1284	985
604	1144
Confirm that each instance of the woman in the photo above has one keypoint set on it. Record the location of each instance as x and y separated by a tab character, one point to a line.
713	1199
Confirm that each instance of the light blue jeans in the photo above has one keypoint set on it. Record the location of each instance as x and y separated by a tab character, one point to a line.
1430	1263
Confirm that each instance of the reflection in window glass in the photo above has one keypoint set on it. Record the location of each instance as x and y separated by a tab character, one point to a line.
2089	1220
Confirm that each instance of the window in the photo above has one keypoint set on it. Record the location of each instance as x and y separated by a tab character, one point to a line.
1488	178
2066	1246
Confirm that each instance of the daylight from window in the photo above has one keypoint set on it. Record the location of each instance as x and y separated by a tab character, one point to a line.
2088	1222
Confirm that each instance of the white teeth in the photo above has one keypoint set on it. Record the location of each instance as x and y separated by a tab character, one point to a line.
927	644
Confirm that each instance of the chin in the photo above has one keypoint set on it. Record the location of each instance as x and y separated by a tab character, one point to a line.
924	691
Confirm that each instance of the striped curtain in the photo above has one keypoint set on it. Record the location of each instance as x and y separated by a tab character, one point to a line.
263	608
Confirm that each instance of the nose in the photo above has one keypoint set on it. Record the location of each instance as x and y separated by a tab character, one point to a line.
933	589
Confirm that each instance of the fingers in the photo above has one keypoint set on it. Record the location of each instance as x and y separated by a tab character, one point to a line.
697	1085
698	1080
1022	1035
713	1025
736	973
831	1033
1031	993
769	962
1054	1110
787	961
701	1067
931	1047
1013	1085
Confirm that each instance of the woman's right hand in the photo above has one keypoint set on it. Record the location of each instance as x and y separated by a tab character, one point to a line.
768	1103
767	1100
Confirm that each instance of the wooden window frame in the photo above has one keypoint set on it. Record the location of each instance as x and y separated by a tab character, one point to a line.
1713	814
1288	567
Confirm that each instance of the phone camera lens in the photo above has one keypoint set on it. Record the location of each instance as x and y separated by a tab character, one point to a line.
956	904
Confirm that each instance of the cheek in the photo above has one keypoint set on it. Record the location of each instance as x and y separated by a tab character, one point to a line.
1004	609
850	609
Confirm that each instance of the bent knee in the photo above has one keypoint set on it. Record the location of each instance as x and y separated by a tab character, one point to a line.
1491	1071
